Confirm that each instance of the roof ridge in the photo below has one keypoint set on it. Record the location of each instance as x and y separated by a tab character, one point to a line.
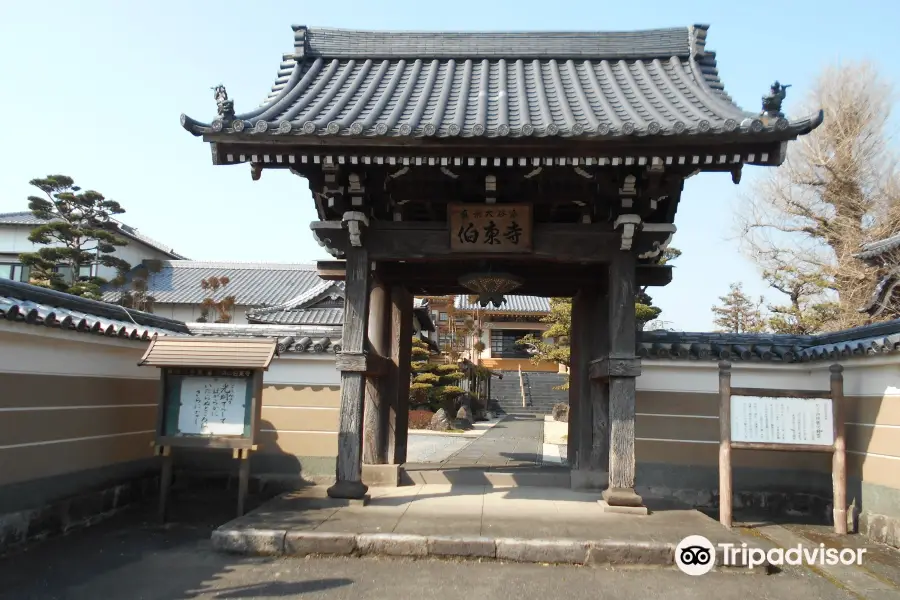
206	264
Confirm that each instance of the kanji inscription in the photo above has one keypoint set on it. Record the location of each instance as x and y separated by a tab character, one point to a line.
782	420
212	406
490	228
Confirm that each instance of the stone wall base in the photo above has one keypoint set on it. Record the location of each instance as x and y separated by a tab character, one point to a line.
62	516
880	528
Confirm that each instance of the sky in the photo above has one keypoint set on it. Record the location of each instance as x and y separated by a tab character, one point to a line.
94	90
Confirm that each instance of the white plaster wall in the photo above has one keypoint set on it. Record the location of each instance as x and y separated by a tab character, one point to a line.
875	376
303	369
40	350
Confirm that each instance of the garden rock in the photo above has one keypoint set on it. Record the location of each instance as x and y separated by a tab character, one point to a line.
464	418
440	421
560	412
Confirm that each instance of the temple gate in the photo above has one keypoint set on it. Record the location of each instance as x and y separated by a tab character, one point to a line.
547	164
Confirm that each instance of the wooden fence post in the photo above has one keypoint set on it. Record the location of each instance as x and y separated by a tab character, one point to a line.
839	457
725	494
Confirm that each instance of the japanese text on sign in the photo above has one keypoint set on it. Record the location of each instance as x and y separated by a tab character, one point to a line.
782	420
490	228
212	406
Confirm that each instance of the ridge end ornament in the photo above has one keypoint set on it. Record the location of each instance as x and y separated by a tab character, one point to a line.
354	220
771	102
224	105
629	224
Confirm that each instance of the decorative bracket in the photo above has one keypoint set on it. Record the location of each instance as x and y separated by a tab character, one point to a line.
353	221
658	247
629	224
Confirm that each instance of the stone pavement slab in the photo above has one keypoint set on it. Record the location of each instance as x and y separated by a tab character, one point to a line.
537	522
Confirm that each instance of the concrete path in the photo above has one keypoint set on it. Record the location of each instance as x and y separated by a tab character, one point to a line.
516	441
434	448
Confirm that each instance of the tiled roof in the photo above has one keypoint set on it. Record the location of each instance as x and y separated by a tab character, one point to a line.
869	340
291	338
20	218
302	309
513	304
252	284
877	248
366	84
28	218
25	303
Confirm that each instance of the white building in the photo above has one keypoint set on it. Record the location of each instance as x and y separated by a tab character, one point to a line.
17	226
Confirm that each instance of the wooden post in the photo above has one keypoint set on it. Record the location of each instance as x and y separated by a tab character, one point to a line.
598	391
401	349
839	458
622	338
243	456
572	441
583	329
376	414
725	493
348	476
165	481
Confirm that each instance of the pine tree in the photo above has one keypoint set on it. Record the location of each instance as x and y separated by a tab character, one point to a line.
78	233
739	314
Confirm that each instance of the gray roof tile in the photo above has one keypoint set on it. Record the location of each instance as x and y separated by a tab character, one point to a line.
28	218
22	302
519	304
369	84
252	284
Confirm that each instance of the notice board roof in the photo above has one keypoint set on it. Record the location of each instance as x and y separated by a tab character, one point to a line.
248	353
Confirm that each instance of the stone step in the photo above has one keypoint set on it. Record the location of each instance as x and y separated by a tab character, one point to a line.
497	477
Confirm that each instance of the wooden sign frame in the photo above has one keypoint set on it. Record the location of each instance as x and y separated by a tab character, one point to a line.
500	218
254	378
838	448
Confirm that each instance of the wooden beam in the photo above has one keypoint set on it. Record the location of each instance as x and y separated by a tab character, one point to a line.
393	241
606	367
331	270
365	363
348	476
543	277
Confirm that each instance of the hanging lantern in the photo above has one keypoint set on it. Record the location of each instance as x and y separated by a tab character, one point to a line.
491	287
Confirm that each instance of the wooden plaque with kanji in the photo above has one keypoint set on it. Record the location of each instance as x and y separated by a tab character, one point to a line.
490	228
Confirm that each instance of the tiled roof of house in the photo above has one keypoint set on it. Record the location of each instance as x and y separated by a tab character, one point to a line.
371	84
28	218
252	284
29	304
513	304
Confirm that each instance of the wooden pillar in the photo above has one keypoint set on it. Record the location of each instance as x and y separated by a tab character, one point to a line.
598	392
839	458
582	331
348	479
622	338
572	440
725	493
401	349
376	415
